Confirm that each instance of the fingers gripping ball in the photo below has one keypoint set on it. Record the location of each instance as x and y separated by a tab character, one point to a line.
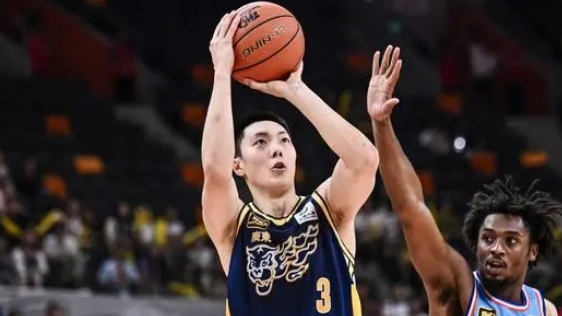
268	44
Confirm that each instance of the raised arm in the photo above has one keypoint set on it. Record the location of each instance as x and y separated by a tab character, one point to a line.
220	197
432	257
354	175
550	309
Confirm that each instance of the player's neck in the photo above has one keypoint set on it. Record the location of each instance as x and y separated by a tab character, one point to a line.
278	205
510	292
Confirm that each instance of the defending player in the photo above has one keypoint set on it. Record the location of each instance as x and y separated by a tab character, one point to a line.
284	254
508	229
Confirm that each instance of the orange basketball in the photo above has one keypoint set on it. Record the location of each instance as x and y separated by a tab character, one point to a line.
268	44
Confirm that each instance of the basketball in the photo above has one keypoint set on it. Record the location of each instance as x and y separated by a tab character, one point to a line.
268	44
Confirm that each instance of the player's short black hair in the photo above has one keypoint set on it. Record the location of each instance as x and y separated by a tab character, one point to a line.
251	119
539	211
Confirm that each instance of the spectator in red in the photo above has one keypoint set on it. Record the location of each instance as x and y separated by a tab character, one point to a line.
36	45
449	69
124	68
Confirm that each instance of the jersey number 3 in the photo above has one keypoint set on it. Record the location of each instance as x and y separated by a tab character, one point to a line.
324	304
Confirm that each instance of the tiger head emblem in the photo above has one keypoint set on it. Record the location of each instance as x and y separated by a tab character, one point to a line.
288	260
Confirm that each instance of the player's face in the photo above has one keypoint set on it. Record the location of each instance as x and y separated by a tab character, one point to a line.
268	156
504	249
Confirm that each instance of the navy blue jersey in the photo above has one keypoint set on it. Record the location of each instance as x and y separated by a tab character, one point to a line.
291	266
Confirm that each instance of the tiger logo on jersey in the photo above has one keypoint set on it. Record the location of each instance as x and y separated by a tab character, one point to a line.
288	260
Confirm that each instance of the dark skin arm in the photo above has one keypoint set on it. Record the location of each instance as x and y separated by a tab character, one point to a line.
445	274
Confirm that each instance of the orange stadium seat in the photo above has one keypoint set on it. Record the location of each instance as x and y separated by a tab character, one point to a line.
533	159
202	74
358	62
88	164
193	114
55	186
483	162
427	182
58	125
192	174
450	103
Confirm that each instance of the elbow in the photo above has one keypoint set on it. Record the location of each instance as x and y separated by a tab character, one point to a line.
367	161
409	209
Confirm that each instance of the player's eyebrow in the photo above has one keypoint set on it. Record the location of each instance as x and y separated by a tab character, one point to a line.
266	134
502	232
261	134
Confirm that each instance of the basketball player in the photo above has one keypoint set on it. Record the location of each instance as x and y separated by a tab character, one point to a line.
283	254
508	229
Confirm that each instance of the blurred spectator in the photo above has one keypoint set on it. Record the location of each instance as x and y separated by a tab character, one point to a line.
8	274
13	223
483	63
144	225
62	249
4	172
201	257
5	194
396	303
37	48
53	309
30	261
28	181
166	227
119	274
119	225
74	218
449	70
124	67
435	140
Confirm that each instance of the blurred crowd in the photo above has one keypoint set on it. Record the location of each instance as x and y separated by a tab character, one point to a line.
132	252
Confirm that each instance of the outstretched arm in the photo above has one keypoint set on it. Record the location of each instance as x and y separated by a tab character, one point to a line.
432	257
550	309
220	197
353	177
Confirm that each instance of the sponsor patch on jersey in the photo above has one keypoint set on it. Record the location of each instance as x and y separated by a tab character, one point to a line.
256	222
486	312
307	214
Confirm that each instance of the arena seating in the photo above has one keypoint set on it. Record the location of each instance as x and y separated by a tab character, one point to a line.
84	150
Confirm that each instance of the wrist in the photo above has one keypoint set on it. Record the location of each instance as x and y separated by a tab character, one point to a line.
295	92
381	123
222	75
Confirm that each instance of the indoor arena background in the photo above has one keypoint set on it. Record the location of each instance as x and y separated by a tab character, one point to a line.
102	107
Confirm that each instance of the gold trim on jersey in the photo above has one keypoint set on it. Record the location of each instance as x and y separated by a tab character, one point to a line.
277	221
324	206
241	216
227	309
355	301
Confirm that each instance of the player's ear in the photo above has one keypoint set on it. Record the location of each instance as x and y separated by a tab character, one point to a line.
534	252
238	167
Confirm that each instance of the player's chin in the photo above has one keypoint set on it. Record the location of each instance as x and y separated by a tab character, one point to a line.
281	181
494	274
